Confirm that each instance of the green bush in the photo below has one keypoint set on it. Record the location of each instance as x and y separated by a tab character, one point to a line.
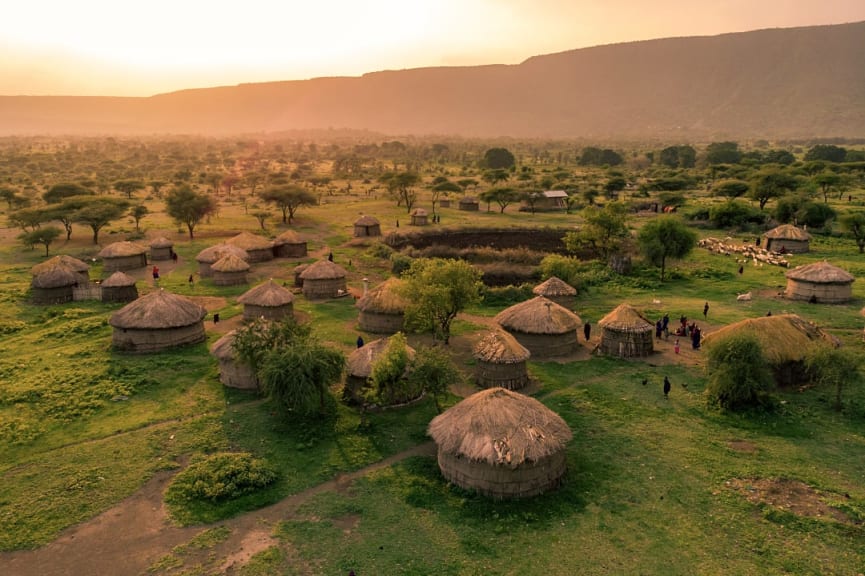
738	376
399	263
380	250
834	368
220	477
734	213
503	296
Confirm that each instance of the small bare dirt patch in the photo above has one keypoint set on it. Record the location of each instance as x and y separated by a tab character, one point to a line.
742	446
788	495
347	523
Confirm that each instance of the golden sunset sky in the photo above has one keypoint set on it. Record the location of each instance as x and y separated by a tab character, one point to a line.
144	47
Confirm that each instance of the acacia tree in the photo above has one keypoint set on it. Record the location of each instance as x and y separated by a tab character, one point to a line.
433	371
437	290
835	368
60	192
665	237
604	233
731	188
186	206
501	195
98	213
400	185
44	236
138	212
771	183
827	182
288	198
129	187
854	224
441	190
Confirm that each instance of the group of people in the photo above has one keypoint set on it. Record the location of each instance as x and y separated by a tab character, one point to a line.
686	330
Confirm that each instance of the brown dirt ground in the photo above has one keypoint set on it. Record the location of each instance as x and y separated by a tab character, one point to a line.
788	495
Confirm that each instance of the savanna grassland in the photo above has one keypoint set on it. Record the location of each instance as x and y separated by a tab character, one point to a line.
653	486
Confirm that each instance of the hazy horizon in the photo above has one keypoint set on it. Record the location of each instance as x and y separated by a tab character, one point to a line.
105	48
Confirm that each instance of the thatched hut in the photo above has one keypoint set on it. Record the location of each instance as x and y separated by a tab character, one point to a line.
359	366
323	279
161	249
819	282
544	327
230	270
501	361
366	226
501	444
785	340
626	333
123	256
296	272
419	217
787	238
557	290
119	287
289	245
268	300
54	285
209	255
81	268
469	204
258	248
232	372
158	321
382	309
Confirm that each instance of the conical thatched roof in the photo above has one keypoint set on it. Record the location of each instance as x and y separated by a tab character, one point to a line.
366	220
270	294
538	316
500	427
249	241
287	237
159	309
783	337
223	349
121	249
323	270
118	280
821	273
384	298
625	318
217	251
161	242
553	286
499	347
73	264
230	263
55	277
359	363
788	232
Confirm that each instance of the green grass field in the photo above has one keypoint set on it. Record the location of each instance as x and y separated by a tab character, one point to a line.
653	486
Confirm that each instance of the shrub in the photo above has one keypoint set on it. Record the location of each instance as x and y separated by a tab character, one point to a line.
399	263
834	368
221	476
733	213
380	250
738	376
504	296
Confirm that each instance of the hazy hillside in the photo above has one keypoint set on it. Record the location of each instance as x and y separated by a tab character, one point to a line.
798	82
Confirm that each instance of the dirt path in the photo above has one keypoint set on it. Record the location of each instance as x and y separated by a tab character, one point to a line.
132	536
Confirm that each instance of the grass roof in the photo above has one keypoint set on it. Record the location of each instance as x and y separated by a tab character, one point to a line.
538	316
626	318
118	280
384	298
268	294
788	232
359	362
820	273
158	310
554	286
323	270
121	249
55	277
73	264
230	263
213	253
499	347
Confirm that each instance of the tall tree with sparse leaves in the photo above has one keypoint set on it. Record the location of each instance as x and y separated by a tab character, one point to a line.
663	238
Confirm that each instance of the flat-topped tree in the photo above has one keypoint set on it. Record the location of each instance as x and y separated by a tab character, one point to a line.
186	206
288	198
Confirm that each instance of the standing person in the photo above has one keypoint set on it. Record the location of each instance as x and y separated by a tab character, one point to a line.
695	337
360	341
665	323
658	329
705	310
155	275
741	269
676	346
587	330
191	281
330	256
666	388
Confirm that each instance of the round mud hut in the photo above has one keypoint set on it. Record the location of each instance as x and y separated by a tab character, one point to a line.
119	287
209	255
366	226
258	248
501	444
787	238
359	366
382	309
54	285
157	321
161	249
419	217
123	256
323	279
289	245
232	372
785	340
230	270
268	300
626	333
558	291
819	283
542	326
469	204
81	268
296	272
501	361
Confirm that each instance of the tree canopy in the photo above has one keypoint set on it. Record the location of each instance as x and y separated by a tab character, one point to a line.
665	237
854	224
496	158
99	212
288	198
400	186
501	195
186	206
604	232
58	192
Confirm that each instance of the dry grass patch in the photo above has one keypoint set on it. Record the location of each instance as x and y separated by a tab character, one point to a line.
792	496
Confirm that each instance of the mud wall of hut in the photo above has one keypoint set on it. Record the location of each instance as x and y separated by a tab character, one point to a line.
161	252
793	246
124	263
57	295
502	482
326	288
276	313
118	294
378	323
548	345
510	376
626	344
144	341
228	278
259	254
236	375
823	293
290	251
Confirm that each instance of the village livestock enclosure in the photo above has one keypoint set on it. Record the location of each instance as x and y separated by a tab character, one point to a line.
556	451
